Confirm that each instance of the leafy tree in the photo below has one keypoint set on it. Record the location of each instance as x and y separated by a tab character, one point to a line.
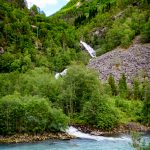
29	115
78	86
34	9
99	113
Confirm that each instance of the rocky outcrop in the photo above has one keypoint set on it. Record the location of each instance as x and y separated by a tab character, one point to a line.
99	32
78	4
119	15
133	62
1	50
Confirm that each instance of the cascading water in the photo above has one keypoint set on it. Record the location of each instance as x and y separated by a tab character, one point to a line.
88	142
63	73
74	132
89	49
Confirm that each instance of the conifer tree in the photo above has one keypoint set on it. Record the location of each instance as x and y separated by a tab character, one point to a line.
146	108
123	86
112	84
136	90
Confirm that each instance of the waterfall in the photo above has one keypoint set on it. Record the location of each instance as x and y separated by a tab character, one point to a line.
63	73
75	132
89	49
57	75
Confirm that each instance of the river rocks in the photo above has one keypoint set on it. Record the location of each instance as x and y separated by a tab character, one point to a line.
32	138
136	127
97	133
133	62
121	129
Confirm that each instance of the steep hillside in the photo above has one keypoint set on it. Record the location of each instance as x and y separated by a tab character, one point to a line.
29	39
34	47
54	40
108	24
105	25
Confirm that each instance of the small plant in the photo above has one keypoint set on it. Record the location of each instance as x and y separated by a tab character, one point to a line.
138	143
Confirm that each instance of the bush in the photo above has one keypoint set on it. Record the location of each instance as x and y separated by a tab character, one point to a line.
57	120
12	115
130	110
146	32
29	115
98	112
138	143
107	119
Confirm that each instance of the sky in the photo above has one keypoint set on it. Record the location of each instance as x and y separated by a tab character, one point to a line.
48	6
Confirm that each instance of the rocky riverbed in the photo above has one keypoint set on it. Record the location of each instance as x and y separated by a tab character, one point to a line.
122	129
26	138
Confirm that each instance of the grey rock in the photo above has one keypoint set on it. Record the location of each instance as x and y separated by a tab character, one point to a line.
1	50
133	62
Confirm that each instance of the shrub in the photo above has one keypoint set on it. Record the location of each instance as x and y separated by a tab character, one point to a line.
146	32
29	115
98	112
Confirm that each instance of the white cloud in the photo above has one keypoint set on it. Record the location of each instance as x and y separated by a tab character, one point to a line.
48	6
42	3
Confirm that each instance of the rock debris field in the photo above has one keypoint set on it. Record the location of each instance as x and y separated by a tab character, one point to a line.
133	62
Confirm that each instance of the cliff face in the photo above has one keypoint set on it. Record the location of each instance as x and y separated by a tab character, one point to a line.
133	62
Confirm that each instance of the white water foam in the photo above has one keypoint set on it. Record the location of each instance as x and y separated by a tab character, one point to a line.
89	49
63	73
75	132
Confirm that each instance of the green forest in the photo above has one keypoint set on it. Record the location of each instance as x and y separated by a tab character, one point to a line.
34	47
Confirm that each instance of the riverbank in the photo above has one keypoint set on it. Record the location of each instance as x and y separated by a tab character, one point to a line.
26	138
121	129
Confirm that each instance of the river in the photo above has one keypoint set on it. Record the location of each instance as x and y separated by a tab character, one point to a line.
83	142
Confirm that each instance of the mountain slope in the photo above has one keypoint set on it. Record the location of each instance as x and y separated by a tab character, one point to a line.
133	62
108	24
34	47
30	39
54	40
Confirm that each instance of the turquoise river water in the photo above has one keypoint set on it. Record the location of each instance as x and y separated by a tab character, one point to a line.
83	142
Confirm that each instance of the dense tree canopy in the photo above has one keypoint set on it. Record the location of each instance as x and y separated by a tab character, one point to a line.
33	48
